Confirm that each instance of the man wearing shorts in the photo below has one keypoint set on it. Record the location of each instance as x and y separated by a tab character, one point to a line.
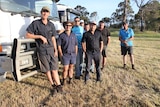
43	31
126	36
68	48
106	40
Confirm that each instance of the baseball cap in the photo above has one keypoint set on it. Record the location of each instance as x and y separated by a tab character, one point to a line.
45	8
81	21
93	22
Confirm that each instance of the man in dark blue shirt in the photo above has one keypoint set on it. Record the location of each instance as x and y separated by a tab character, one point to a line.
43	31
68	48
92	45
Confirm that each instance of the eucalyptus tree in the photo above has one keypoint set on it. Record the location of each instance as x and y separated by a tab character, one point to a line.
149	15
141	4
123	13
83	11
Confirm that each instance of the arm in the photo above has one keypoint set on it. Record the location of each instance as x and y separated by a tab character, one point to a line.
84	46
108	36
109	39
83	43
60	51
32	36
123	41
101	46
76	49
55	46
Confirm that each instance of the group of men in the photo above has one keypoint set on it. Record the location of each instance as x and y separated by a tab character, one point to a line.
76	40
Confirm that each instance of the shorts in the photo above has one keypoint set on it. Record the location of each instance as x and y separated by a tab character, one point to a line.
125	50
104	51
68	59
48	63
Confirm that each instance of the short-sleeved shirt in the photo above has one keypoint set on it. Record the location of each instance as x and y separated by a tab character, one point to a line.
37	27
126	34
67	43
92	40
105	34
78	31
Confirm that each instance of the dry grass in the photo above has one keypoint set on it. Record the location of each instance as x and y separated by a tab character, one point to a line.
119	88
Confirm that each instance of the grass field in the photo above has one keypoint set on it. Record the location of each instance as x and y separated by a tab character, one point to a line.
119	87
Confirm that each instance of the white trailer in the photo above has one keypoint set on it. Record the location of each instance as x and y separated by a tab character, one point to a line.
16	52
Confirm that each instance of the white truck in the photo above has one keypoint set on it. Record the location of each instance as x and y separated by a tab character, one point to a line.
17	53
67	13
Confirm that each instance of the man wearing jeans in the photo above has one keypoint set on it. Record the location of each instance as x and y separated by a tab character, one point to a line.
92	45
78	31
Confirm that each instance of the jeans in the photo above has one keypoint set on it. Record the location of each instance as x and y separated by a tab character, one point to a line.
79	60
96	56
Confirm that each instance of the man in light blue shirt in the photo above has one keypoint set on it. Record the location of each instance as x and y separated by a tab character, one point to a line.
78	31
126	36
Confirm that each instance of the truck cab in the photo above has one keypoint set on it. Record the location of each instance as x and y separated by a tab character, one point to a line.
16	52
16	15
67	13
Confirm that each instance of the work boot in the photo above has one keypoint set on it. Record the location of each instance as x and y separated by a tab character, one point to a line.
86	77
59	88
54	90
64	81
70	81
133	67
124	66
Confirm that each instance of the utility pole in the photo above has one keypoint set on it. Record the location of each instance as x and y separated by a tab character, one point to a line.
125	10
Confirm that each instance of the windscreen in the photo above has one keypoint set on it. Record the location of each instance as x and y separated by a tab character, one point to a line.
28	6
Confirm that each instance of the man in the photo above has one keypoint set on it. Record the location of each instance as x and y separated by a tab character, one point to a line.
78	31
43	31
67	46
106	40
82	23
86	27
126	36
92	44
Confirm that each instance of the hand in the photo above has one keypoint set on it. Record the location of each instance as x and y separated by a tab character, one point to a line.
125	43
55	54
44	40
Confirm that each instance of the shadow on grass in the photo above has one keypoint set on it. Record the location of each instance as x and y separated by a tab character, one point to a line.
29	83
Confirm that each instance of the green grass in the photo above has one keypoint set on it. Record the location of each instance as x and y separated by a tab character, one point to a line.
119	87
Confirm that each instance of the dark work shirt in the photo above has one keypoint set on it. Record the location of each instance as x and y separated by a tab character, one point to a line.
67	43
92	40
105	33
48	31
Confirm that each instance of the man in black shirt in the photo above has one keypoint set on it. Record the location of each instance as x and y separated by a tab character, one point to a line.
92	45
106	40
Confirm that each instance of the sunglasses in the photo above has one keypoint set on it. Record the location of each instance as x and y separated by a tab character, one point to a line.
77	20
68	25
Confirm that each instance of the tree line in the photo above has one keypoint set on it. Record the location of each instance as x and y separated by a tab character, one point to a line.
147	17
